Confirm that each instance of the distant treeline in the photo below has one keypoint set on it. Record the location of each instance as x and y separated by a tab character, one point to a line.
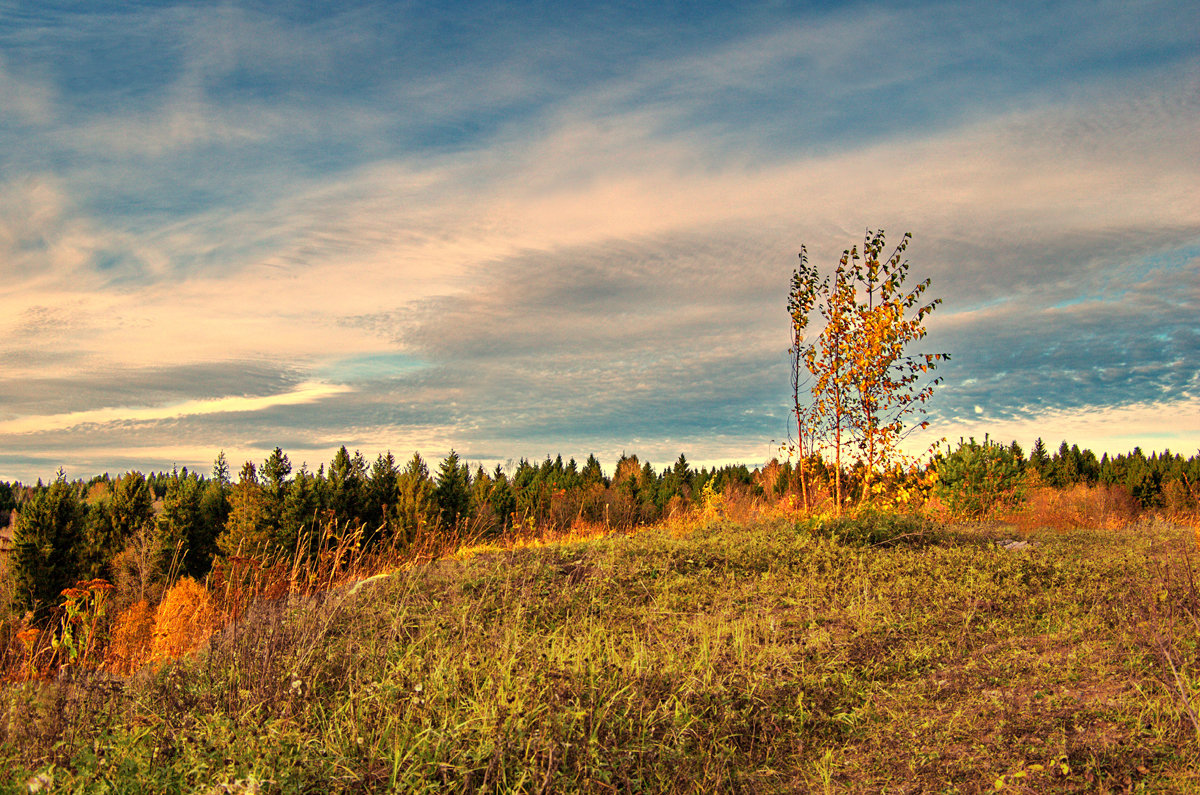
137	530
1162	480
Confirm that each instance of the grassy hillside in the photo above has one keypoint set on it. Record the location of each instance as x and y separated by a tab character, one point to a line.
877	655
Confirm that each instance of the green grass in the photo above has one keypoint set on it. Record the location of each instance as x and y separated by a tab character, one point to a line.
766	657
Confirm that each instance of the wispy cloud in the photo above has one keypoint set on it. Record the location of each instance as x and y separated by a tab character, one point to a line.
307	392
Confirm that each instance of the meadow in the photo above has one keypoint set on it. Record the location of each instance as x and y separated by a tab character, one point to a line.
764	653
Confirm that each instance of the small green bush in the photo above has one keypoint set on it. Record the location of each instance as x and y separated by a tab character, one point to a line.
875	528
975	479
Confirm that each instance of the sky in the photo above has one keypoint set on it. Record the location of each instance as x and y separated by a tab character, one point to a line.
519	229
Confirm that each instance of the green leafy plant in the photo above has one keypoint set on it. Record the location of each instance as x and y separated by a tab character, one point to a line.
875	528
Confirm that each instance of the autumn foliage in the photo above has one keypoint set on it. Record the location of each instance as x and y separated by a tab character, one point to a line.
129	644
184	620
866	392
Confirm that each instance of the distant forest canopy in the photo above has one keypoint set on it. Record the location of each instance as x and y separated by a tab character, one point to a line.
137	529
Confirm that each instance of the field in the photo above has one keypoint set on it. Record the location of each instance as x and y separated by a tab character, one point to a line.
882	654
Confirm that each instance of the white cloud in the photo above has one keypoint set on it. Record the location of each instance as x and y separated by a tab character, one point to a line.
307	392
30	101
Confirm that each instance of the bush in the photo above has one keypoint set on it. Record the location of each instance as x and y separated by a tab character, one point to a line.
976	479
872	528
184	620
131	639
1096	507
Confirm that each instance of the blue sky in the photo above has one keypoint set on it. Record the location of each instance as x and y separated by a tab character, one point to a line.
518	229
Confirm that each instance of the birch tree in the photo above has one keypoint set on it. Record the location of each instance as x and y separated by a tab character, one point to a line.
865	390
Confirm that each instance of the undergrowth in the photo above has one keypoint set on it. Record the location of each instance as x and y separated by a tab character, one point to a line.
776	655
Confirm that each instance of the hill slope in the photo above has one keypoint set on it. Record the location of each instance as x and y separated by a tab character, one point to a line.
756	657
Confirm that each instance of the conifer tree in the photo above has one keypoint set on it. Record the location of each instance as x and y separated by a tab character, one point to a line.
45	555
301	511
179	528
244	533
452	492
274	481
214	513
416	508
101	541
592	472
502	499
380	505
131	504
220	470
1039	459
347	487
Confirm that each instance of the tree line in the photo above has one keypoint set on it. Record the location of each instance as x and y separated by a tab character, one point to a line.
857	391
977	477
138	530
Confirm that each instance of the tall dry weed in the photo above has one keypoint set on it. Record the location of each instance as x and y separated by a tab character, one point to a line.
27	650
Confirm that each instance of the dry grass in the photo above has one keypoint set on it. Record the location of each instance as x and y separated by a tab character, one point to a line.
184	620
1080	506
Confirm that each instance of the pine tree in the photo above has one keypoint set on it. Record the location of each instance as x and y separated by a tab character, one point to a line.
452	492
380	506
179	528
273	478
101	540
592	472
213	514
1039	459
347	487
301	512
502	499
132	504
45	555
415	506
220	470
1064	471
244	529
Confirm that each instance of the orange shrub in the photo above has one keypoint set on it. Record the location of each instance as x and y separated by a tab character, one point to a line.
1180	499
184	620
129	643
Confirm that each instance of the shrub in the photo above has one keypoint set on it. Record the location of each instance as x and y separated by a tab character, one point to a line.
976	479
872	528
1097	507
131	639
184	620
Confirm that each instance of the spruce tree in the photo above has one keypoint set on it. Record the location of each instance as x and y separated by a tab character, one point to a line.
415	507
380	508
45	556
592	472
301	512
180	531
1039	459
452	493
347	487
244	534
